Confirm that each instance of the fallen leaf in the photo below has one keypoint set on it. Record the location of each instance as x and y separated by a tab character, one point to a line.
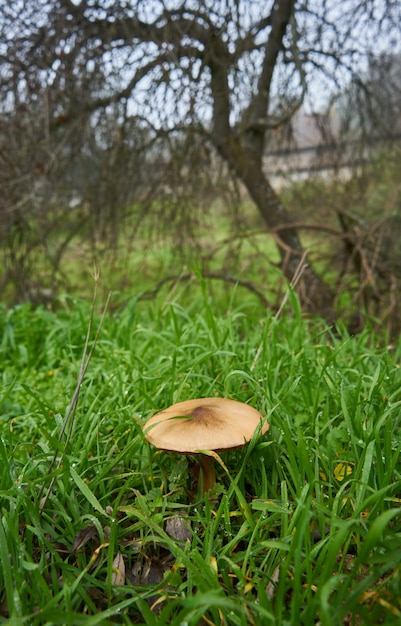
118	575
83	536
152	572
176	528
98	596
271	585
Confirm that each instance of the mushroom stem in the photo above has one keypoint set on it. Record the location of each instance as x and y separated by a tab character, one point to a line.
208	473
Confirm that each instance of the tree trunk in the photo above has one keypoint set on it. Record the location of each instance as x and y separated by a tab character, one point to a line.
314	294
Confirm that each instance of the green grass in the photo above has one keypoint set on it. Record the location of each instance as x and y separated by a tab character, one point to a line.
303	529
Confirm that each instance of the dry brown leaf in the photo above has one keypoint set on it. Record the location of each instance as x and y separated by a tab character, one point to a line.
176	528
98	596
271	585
152	572
118	575
83	536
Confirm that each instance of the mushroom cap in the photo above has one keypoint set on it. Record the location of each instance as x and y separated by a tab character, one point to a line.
203	424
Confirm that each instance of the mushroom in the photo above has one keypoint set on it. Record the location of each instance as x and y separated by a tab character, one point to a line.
202	425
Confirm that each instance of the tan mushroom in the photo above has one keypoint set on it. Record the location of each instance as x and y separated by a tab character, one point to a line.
202	425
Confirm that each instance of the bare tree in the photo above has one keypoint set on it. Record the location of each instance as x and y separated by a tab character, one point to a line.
230	71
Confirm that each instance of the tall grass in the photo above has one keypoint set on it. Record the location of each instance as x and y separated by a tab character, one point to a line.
303	529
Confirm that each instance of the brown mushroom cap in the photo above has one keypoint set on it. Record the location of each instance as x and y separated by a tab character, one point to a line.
203	424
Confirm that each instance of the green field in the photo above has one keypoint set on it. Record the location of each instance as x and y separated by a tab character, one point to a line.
99	527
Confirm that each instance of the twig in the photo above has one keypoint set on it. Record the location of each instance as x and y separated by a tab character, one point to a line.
176	278
70	414
301	267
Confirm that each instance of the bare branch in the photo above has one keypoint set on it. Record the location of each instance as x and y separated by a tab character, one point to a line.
281	15
176	278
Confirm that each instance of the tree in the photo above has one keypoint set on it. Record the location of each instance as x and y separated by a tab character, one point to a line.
228	70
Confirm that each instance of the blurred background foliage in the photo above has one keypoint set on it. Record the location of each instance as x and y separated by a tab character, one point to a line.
243	140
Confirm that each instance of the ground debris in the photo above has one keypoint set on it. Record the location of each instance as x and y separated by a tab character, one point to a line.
118	575
83	536
177	528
